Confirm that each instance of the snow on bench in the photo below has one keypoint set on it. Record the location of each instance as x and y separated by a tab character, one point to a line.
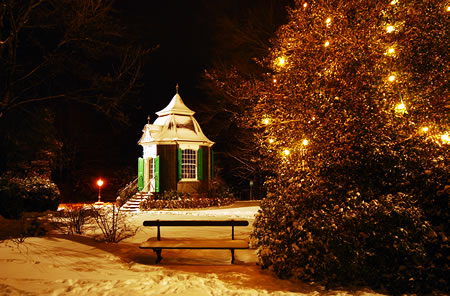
158	244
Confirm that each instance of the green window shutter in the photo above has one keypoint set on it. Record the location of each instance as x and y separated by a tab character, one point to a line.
200	164
140	173
212	164
156	172
180	155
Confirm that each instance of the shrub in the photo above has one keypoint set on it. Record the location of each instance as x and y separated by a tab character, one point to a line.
111	223
27	194
73	218
172	195
219	190
184	203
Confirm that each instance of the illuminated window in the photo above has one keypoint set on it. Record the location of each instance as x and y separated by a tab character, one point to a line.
151	170
188	164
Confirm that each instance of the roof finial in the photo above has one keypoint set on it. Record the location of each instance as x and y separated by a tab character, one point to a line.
148	119
177	87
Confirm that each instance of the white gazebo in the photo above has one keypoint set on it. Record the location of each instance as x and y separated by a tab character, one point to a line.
176	153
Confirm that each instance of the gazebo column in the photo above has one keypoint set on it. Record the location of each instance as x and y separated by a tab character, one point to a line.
146	176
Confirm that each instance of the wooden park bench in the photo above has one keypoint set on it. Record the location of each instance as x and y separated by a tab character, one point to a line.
159	244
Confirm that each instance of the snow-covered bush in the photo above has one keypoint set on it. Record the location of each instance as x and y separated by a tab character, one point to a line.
184	203
73	218
27	194
376	219
172	195
111	223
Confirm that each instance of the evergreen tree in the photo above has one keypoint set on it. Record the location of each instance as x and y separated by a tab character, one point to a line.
351	121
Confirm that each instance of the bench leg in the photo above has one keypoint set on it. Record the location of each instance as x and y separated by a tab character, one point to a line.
232	256
158	254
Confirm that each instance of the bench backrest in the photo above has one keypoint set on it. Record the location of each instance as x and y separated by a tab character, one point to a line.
196	223
159	223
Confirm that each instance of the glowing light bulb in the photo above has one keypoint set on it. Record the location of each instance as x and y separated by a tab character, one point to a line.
271	141
390	29
266	121
305	142
448	8
393	2
100	182
400	108
286	152
274	81
391	50
328	21
445	139
327	44
425	129
305	5
281	61
391	78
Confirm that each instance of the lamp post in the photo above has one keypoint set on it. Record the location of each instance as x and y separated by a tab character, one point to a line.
99	183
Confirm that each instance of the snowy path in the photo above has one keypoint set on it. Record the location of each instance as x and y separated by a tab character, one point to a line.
75	265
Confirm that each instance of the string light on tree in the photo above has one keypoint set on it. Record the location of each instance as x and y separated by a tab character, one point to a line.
390	29
266	121
305	142
327	43
445	139
280	61
328	21
425	129
305	5
286	152
271	141
400	108
391	78
390	51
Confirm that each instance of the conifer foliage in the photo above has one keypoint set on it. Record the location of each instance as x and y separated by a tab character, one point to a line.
351	122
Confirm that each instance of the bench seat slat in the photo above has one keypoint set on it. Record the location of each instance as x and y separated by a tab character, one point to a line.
195	244
196	223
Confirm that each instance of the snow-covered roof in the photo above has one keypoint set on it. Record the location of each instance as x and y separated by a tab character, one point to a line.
175	123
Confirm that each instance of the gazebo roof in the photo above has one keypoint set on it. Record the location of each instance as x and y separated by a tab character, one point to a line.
174	124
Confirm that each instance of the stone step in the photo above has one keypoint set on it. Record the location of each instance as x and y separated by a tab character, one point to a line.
132	205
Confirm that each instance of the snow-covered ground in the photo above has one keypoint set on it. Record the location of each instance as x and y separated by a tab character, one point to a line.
79	265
